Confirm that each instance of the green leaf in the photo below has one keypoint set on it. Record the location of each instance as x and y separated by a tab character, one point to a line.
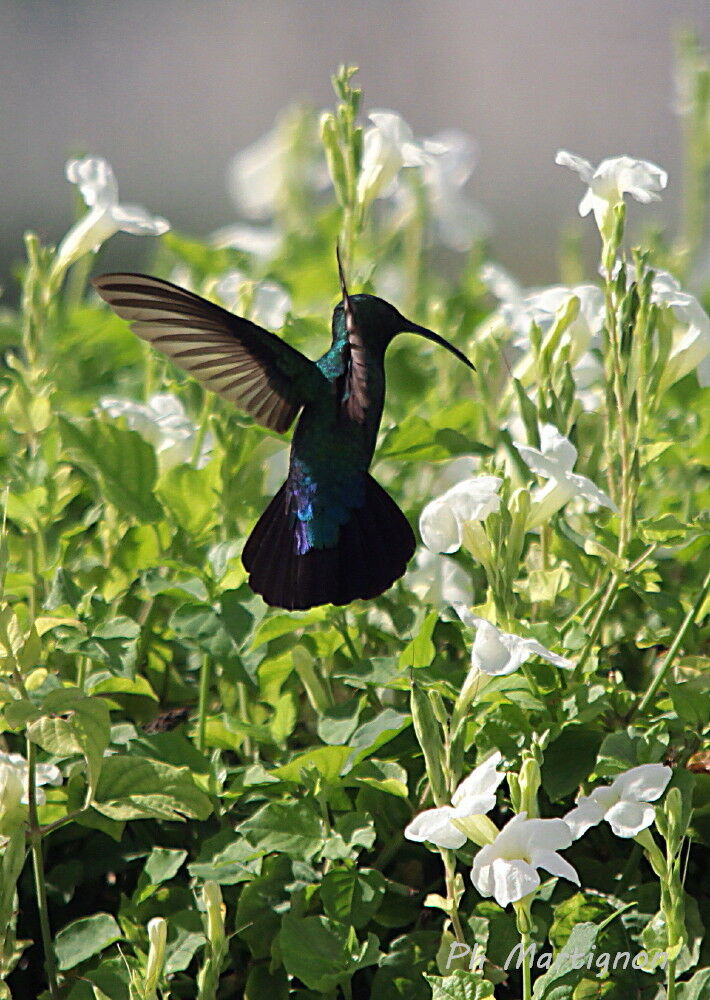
559	981
370	736
419	652
226	860
139	788
200	627
322	953
291	827
191	497
353	832
327	761
352	895
278	625
163	863
114	643
120	461
85	731
385	775
695	989
460	985
85	937
569	760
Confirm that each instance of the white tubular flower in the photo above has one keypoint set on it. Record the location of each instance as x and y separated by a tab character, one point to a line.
624	804
270	303
14	787
499	653
261	241
441	522
475	796
519	309
438	580
610	181
98	187
162	422
507	868
450	159
256	176
555	460
388	145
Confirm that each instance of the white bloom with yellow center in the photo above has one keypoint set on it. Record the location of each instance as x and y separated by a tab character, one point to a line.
442	521
475	796
625	804
498	653
507	868
555	459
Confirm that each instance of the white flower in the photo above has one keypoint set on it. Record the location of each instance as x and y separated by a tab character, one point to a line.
162	422
450	159
99	190
261	241
624	804
499	653
519	309
555	460
438	580
610	181
691	334
256	176
269	303
388	145
14	780
442	521
506	869
475	796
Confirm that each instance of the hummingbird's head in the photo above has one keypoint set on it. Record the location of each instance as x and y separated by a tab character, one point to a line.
377	322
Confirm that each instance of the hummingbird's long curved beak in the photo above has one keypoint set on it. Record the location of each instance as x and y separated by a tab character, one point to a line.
430	335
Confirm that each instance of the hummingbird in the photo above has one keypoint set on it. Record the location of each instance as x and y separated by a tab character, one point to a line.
331	534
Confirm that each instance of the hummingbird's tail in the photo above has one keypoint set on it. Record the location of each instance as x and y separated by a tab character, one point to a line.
372	551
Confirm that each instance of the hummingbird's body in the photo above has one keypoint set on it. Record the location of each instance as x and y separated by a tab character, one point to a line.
331	534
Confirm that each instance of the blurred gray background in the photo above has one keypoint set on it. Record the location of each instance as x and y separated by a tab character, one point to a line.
169	90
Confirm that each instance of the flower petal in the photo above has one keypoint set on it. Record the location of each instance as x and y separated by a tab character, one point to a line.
435	826
137	220
506	880
555	864
95	179
628	818
477	793
644	783
585	815
491	655
577	163
439	527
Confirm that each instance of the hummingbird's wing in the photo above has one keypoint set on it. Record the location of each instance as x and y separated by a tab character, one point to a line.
240	361
355	395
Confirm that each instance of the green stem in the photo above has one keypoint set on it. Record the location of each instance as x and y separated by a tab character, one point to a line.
675	645
449	859
527	985
670	980
35	838
608	600
202	704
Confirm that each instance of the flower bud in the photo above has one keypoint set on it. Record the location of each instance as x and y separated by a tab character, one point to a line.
157	936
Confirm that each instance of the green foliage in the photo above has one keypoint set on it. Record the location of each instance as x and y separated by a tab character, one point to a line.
247	773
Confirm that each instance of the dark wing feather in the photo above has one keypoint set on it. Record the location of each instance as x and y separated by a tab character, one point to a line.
356	398
245	364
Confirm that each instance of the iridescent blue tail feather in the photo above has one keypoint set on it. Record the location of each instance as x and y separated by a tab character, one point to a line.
372	551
